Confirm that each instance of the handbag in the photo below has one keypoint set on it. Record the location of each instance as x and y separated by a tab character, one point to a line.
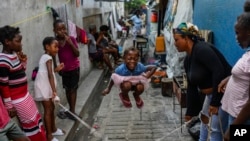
34	73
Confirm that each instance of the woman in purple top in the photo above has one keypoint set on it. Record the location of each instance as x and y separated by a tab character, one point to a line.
68	54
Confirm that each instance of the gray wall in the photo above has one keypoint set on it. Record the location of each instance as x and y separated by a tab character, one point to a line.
35	24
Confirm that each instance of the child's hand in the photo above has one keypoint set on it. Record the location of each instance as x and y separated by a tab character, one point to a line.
145	75
67	39
105	91
54	95
56	99
59	67
22	57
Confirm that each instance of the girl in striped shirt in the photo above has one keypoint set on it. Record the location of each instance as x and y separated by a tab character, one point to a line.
14	87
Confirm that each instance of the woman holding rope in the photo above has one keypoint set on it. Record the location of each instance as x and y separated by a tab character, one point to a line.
205	67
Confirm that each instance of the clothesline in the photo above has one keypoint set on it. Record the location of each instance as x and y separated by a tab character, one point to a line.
34	17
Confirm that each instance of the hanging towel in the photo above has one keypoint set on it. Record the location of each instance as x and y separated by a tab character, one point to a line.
72	29
78	3
62	11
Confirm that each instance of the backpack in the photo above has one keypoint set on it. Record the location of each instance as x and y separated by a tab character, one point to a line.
82	36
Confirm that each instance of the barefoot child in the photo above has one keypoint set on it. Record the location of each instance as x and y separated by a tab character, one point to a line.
45	86
13	84
131	76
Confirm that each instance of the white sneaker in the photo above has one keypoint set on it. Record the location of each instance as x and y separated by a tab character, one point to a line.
54	139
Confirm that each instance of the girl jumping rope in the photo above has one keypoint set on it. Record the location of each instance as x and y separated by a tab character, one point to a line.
13	84
45	86
131	76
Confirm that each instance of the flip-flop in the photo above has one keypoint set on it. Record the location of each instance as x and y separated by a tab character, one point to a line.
138	101
61	114
125	102
59	132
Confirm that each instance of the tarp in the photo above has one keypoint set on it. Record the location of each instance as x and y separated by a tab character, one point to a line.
177	12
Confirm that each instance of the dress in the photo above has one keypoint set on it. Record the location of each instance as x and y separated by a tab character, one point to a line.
43	90
14	90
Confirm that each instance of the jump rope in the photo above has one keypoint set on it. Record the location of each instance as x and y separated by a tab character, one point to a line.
93	131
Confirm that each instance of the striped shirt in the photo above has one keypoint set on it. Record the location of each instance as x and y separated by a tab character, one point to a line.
237	90
14	90
13	80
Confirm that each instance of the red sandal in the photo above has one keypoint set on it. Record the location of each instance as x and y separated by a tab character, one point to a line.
138	101
125	102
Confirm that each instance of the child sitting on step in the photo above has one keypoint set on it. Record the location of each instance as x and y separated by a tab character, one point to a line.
131	76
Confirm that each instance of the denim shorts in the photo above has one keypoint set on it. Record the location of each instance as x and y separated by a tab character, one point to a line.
11	131
70	79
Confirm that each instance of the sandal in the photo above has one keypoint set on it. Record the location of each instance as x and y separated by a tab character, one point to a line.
138	101
61	114
59	132
125	102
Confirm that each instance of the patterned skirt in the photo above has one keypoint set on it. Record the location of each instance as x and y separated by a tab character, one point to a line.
29	118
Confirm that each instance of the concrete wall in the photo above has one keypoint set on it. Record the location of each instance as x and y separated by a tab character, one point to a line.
35	24
220	16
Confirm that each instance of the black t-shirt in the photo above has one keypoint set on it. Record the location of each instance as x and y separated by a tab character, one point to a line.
205	68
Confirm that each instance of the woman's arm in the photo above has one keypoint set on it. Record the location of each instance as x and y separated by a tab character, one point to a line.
51	77
212	62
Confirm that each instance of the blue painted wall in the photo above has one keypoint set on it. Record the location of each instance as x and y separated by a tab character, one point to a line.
220	16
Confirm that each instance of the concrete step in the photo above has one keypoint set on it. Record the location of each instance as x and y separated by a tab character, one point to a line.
84	93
